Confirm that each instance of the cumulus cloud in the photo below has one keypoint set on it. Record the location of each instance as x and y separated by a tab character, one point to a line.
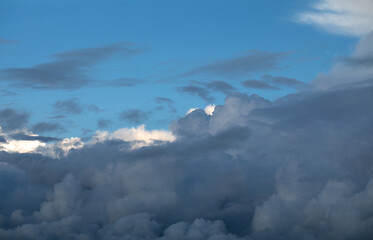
341	16
296	168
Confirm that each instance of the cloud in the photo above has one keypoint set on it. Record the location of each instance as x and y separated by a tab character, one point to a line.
256	84
103	123
296	168
341	16
198	91
350	70
253	62
43	127
71	106
220	86
126	82
285	82
165	102
34	137
134	116
68	70
11	119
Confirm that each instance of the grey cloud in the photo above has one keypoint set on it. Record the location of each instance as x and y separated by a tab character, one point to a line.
43	127
11	119
198	91
256	84
22	136
134	116
126	82
163	101
253	62
3	139
220	86
297	168
284	81
68	70
103	123
71	106
365	60
354	69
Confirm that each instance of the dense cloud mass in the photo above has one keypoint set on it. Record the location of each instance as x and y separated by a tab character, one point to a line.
296	168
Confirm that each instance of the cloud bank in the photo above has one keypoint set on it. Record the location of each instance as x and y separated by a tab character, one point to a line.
297	168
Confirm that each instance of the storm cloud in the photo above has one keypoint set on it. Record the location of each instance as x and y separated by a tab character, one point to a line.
296	168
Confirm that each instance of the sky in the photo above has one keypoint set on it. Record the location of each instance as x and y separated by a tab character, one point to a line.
237	120
158	58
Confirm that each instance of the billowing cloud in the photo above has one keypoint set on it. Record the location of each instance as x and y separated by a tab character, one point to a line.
67	70
296	168
341	16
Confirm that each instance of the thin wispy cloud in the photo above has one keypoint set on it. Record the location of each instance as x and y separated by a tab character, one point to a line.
67	70
256	84
135	116
253	62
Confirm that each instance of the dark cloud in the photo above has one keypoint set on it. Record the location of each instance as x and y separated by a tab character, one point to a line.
22	136
256	84
3	139
201	92
11	119
297	168
126	82
68	70
255	61
43	127
163	102
365	60
220	86
284	81
71	106
104	123
134	116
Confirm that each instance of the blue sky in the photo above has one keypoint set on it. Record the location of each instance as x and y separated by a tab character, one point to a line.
160	58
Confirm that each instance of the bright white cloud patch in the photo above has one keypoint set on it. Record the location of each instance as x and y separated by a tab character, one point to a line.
138	136
209	109
350	17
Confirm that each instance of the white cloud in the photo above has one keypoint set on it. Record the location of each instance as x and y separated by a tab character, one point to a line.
349	17
139	136
209	109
